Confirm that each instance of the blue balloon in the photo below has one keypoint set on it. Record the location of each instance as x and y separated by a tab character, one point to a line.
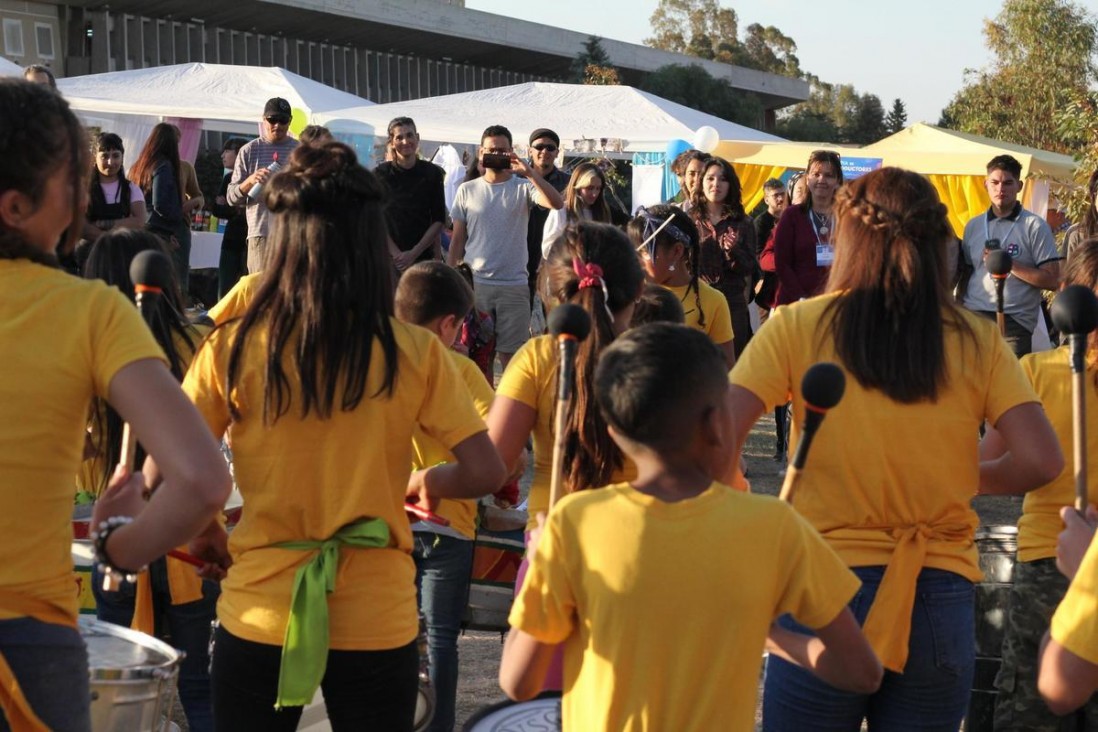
676	148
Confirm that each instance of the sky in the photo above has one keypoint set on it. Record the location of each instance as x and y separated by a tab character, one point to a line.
914	51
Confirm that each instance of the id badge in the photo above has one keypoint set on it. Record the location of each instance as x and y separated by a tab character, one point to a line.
825	255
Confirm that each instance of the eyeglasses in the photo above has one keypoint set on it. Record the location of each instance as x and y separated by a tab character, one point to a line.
279	120
545	148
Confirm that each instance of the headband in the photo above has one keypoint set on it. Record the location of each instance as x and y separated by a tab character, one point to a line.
653	226
590	275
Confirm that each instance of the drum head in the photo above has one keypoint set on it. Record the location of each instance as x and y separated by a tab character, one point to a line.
542	713
115	652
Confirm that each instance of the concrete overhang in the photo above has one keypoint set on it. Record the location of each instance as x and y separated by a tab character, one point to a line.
439	31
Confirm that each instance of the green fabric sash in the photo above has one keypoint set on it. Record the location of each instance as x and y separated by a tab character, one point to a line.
305	647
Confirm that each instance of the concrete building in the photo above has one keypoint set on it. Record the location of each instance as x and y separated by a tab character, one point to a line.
384	50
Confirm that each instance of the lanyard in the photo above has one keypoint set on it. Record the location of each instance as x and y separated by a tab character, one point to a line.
812	220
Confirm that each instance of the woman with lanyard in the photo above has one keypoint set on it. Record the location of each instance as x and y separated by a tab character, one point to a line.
320	389
802	239
66	341
895	467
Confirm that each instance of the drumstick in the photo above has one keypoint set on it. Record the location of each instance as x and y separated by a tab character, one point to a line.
424	515
1075	313
999	263
822	387
150	272
569	324
185	557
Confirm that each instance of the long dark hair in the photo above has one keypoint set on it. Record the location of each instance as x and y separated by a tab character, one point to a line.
107	142
39	134
733	202
648	220
163	144
889	326
1090	217
109	260
590	456
326	292
1082	269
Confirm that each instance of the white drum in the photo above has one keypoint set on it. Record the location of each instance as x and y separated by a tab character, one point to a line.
133	677
542	713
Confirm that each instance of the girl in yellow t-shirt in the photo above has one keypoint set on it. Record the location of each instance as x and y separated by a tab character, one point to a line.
66	341
1038	585
320	390
668	243
170	590
894	468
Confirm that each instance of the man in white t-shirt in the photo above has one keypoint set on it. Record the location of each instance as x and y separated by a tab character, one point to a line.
490	215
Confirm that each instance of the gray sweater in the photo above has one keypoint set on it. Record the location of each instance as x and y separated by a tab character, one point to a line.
255	155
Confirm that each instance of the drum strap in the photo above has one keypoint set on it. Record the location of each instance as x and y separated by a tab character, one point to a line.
305	647
16	707
888	625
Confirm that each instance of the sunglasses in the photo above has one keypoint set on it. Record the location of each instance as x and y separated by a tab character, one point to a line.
545	148
280	120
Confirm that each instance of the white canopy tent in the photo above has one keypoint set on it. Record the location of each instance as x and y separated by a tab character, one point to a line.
578	113
7	68
223	97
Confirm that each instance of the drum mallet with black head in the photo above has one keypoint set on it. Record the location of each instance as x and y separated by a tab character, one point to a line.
150	272
999	263
1075	314
822	387
569	324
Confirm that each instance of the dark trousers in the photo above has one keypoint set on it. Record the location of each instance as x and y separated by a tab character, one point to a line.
231	266
1017	336
363	690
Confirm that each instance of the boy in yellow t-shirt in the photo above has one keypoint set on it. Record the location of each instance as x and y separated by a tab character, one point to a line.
436	297
647	582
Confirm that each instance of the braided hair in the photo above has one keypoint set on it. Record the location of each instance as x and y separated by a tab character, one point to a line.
651	228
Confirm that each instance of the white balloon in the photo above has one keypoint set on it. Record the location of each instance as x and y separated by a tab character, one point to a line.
706	139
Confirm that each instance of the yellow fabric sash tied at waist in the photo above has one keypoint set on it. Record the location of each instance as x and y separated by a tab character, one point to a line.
888	625
305	647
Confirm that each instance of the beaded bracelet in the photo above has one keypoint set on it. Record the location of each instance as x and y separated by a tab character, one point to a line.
113	575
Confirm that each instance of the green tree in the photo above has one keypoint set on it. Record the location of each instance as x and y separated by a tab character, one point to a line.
897	117
593	55
693	87
1044	59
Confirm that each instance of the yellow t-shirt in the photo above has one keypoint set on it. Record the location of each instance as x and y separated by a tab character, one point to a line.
718	319
1050	374
427	451
664	608
1075	622
531	378
64	339
887	480
236	300
304	479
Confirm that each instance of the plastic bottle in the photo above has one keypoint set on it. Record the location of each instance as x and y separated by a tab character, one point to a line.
274	167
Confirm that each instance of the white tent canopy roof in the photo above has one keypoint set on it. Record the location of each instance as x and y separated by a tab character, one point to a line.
211	92
643	121
7	68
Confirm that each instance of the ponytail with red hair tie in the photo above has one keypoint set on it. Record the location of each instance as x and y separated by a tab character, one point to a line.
590	275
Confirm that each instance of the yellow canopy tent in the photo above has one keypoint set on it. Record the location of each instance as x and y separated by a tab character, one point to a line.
756	162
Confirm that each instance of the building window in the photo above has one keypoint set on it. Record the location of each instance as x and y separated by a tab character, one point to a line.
43	34
13	37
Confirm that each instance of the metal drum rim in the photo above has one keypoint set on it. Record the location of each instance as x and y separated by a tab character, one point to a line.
1004	531
167	669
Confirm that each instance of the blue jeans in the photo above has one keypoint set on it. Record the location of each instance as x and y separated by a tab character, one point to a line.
186	627
51	664
931	694
443	566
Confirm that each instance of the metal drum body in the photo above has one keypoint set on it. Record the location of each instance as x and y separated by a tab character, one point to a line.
998	546
542	713
496	559
133	677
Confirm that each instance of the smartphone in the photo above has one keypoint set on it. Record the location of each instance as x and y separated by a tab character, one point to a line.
496	161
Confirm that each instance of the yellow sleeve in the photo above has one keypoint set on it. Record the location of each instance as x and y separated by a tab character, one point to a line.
545	607
719	319
235	301
479	388
1007	385
447	412
118	336
205	381
520	381
764	368
1075	623
819	584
